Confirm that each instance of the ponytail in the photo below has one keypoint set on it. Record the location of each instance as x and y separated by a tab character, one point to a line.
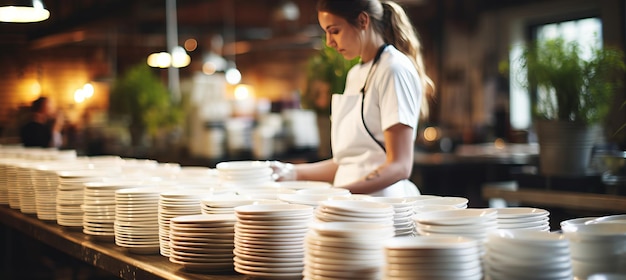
398	31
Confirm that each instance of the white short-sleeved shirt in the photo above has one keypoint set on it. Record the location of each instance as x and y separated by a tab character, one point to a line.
393	93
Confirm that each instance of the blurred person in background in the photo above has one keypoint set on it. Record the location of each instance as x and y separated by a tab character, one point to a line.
44	126
374	121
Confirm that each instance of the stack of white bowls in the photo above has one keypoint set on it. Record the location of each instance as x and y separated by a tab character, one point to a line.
203	243
524	254
99	207
313	196
269	239
404	209
526	218
71	194
175	203
345	250
433	258
355	211
136	219
244	174
597	248
472	223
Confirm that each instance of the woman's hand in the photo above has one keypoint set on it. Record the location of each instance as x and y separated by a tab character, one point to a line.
283	171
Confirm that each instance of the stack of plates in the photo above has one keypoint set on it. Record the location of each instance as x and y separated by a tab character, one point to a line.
199	177
432	257
523	218
173	204
225	204
458	202
70	195
597	247
471	223
26	190
269	239
13	185
99	207
345	250
4	181
45	182
203	243
524	254
136	219
355	211
403	213
244	174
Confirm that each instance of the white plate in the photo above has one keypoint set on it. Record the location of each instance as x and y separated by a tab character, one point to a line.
274	210
301	185
356	206
351	229
429	242
241	165
521	212
456	217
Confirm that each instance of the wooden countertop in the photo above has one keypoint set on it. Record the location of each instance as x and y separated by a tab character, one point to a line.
105	255
562	199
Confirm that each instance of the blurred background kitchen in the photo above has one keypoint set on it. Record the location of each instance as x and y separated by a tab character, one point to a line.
199	82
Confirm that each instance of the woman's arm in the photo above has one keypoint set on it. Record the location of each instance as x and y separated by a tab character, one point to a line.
398	165
317	171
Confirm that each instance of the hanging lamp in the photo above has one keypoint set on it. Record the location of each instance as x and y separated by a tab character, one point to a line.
22	11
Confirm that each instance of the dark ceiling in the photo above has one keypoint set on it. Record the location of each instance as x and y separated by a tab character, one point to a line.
144	21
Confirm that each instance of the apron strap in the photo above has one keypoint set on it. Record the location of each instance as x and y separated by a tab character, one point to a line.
376	58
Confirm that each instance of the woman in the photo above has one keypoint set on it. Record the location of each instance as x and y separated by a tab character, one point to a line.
374	122
43	130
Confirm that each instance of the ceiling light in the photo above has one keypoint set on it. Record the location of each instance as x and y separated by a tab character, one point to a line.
22	11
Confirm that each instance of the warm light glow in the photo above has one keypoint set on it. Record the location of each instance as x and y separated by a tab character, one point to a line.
79	95
88	90
243	92
233	76
161	60
431	134
35	88
84	93
191	44
180	58
499	143
209	68
22	14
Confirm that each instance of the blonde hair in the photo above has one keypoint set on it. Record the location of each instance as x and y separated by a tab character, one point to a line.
390	20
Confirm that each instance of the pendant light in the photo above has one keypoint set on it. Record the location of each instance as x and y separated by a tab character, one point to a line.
22	11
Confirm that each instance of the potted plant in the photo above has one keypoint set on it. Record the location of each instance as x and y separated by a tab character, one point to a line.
326	74
577	94
139	97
